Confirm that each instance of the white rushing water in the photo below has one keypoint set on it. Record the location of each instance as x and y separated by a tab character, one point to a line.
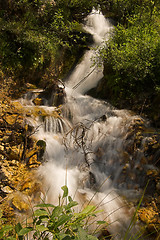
85	76
85	146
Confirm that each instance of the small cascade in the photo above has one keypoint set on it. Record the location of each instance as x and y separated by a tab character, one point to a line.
100	28
28	97
55	125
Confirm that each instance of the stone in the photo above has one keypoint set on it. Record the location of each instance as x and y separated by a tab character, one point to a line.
11	119
19	202
37	101
1	148
14	153
7	189
158	186
6	139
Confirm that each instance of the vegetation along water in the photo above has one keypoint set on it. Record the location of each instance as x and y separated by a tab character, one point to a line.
80	119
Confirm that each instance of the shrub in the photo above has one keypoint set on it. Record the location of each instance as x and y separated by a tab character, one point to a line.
53	222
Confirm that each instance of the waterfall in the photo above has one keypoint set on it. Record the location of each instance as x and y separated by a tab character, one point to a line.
85	146
85	76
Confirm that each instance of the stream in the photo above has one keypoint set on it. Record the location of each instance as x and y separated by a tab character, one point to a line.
87	147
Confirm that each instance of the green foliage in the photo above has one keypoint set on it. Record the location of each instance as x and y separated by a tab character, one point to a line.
5	229
33	33
121	10
56	222
131	56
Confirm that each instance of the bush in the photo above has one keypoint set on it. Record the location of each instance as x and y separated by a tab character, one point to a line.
132	58
56	222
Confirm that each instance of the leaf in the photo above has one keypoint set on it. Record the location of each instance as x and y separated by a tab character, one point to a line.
11	238
1	234
67	237
56	212
70	199
90	237
41	228
43	218
65	191
82	234
1	214
7	228
62	220
71	204
101	222
24	231
18	227
45	205
88	209
40	212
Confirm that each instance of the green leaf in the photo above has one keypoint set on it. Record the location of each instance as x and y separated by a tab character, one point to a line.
43	218
1	233
70	199
62	220
101	222
88	209
81	234
71	204
11	238
66	237
24	231
1	214
41	228
18	227
65	191
90	237
56	212
41	212
45	205
7	228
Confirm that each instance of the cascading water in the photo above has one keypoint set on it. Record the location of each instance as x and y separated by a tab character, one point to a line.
99	27
85	145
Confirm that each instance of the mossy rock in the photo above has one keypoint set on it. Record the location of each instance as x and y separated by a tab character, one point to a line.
19	202
41	144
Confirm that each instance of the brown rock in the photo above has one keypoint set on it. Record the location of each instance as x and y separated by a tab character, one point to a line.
37	101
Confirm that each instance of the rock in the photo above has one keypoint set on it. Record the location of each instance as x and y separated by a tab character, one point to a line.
41	144
54	94
11	119
14	153
6	139
38	101
1	148
158	186
7	189
20	203
14	163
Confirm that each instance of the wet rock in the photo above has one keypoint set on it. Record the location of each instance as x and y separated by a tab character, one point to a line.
103	118
11	119
53	94
20	203
158	186
1	148
6	139
14	153
7	189
150	216
37	101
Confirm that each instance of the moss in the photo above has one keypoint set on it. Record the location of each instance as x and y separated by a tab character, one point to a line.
41	144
